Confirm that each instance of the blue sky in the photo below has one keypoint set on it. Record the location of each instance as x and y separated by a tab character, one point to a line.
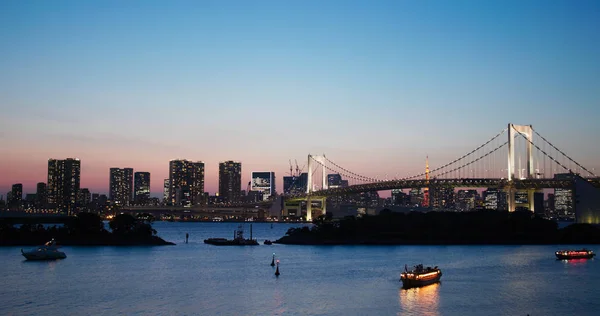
375	85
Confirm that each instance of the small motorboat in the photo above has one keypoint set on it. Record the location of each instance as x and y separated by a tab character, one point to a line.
268	242
420	276
49	251
575	254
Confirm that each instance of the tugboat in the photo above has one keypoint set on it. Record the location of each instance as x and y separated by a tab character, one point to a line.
575	254
420	276
238	239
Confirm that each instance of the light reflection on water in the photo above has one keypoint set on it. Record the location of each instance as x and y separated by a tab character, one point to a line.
200	279
420	300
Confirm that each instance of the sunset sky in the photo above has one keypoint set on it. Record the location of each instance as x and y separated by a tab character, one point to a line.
375	85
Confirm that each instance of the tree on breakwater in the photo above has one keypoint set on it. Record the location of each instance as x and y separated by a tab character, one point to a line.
481	227
84	229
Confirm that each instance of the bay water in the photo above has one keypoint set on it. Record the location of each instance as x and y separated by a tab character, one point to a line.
201	279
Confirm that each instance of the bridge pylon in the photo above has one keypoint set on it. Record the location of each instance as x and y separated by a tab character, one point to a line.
527	131
315	163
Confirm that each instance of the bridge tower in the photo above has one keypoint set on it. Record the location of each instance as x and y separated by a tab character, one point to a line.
315	163
527	131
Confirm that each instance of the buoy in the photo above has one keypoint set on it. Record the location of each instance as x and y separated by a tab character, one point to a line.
273	261
277	270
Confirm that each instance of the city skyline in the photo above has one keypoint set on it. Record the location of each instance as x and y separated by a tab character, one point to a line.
376	87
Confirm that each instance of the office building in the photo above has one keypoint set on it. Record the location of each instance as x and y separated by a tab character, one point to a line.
121	186
141	188
263	182
186	183
64	177
230	181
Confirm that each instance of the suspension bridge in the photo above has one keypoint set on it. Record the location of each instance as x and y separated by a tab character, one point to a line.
526	162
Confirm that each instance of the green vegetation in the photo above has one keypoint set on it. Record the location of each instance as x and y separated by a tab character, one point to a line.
85	229
482	227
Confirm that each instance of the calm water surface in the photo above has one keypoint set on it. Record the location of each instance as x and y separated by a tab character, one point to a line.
200	279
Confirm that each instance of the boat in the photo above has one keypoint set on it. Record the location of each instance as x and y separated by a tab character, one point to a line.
420	276
49	251
268	242
575	254
238	239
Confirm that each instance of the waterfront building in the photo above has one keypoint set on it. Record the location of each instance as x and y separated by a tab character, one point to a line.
465	200
16	196
295	184
186	183
166	186
64	177
41	195
334	180
121	186
230	181
84	197
490	199
141	188
416	197
563	201
441	197
264	182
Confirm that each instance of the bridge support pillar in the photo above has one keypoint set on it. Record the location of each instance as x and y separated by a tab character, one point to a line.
309	209
510	199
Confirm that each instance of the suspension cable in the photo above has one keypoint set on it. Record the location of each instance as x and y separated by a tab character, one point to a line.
575	162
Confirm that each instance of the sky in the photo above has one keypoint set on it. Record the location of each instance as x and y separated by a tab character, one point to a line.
376	86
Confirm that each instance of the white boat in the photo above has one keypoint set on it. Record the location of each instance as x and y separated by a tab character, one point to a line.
49	251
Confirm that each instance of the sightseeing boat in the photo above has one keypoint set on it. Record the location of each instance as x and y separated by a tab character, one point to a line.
575	254
238	239
420	276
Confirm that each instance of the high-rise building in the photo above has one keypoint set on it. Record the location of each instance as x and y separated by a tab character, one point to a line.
441	197
295	184
416	197
16	196
399	198
465	200
563	201
141	188
166	185
230	181
334	180
41	195
263	182
491	198
64	177
186	183
84	197
121	186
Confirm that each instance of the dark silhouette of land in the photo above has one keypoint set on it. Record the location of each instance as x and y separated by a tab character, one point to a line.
85	229
441	228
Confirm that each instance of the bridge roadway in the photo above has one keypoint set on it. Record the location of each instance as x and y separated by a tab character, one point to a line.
199	210
519	184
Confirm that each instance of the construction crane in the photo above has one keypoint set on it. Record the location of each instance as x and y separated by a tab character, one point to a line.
291	169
